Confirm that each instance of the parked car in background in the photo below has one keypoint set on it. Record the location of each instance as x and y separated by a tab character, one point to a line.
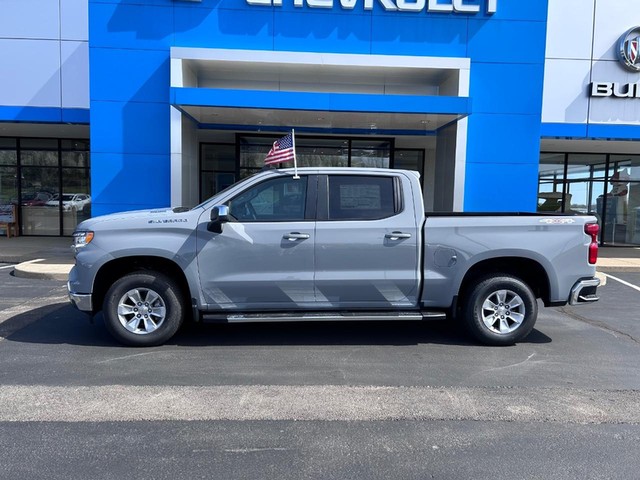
71	201
36	199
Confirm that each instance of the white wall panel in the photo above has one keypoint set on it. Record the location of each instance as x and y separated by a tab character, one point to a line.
566	83
613	18
570	29
30	19
31	73
575	58
75	74
614	110
74	19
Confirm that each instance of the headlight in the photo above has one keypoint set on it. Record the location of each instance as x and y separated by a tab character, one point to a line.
82	239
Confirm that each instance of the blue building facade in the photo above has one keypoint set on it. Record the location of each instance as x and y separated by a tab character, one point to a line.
502	105
171	80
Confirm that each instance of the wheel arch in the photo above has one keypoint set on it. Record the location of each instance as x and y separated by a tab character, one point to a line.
529	271
119	267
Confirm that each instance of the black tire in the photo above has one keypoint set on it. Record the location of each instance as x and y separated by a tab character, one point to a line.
164	314
499	310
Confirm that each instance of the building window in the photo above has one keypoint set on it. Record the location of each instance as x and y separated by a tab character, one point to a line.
622	218
219	167
48	180
607	186
410	159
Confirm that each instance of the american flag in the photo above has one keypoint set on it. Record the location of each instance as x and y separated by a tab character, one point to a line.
282	151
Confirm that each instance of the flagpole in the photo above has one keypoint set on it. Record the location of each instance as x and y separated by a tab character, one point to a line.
295	160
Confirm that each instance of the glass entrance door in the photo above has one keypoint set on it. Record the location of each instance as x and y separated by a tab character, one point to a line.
310	152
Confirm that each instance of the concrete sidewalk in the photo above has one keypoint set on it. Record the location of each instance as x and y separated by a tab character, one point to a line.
38	257
52	257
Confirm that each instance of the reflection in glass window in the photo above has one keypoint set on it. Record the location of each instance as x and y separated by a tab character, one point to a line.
606	186
551	182
370	154
8	185
626	166
280	199
586	166
52	178
623	200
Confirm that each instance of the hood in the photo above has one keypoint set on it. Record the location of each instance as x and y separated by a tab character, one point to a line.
137	216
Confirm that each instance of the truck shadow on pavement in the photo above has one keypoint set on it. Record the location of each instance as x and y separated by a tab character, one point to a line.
62	324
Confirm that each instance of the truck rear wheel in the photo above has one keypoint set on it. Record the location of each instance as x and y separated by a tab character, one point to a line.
143	309
500	310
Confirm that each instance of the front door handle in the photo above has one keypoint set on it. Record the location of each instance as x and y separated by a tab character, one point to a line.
397	235
293	236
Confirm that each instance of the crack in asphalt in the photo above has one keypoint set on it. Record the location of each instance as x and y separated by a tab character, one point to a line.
598	324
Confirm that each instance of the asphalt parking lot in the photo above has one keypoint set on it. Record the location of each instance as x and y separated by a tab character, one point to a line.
321	400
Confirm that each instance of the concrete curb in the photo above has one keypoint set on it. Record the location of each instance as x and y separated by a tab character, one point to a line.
620	269
50	270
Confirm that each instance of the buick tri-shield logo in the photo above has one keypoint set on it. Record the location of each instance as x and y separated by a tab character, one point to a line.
629	49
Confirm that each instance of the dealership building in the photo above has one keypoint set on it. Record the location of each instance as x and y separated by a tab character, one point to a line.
501	105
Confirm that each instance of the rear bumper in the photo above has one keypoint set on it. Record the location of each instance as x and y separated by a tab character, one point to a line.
584	291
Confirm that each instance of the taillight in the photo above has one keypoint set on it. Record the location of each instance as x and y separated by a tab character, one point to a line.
592	230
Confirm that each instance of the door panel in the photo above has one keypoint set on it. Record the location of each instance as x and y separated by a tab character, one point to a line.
264	257
366	263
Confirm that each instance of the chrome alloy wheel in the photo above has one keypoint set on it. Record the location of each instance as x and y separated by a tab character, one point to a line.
141	311
503	311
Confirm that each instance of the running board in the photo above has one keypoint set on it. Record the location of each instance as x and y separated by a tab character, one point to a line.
322	316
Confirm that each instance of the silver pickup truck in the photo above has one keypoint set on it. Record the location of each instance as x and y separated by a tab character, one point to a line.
333	244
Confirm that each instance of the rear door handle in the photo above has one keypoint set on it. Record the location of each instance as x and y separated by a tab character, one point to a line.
293	236
397	235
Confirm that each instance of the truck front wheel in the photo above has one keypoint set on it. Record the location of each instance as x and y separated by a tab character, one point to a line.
500	310
143	309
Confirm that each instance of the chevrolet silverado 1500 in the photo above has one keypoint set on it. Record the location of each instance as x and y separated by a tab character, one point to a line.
333	244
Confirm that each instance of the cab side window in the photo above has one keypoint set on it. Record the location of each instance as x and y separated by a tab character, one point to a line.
354	197
279	199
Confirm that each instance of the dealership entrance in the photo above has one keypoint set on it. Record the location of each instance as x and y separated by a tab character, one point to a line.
223	164
348	110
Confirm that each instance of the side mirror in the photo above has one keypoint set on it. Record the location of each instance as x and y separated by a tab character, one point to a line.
219	215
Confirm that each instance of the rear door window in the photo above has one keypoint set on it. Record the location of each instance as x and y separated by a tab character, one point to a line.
354	197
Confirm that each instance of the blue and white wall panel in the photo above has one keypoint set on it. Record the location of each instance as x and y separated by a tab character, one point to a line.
582	38
130	42
44	64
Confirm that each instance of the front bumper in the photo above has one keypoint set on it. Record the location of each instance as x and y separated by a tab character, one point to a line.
82	301
584	291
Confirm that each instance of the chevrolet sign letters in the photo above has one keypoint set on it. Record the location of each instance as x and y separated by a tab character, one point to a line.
447	6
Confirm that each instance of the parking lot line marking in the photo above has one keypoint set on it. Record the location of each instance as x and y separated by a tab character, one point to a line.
635	287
